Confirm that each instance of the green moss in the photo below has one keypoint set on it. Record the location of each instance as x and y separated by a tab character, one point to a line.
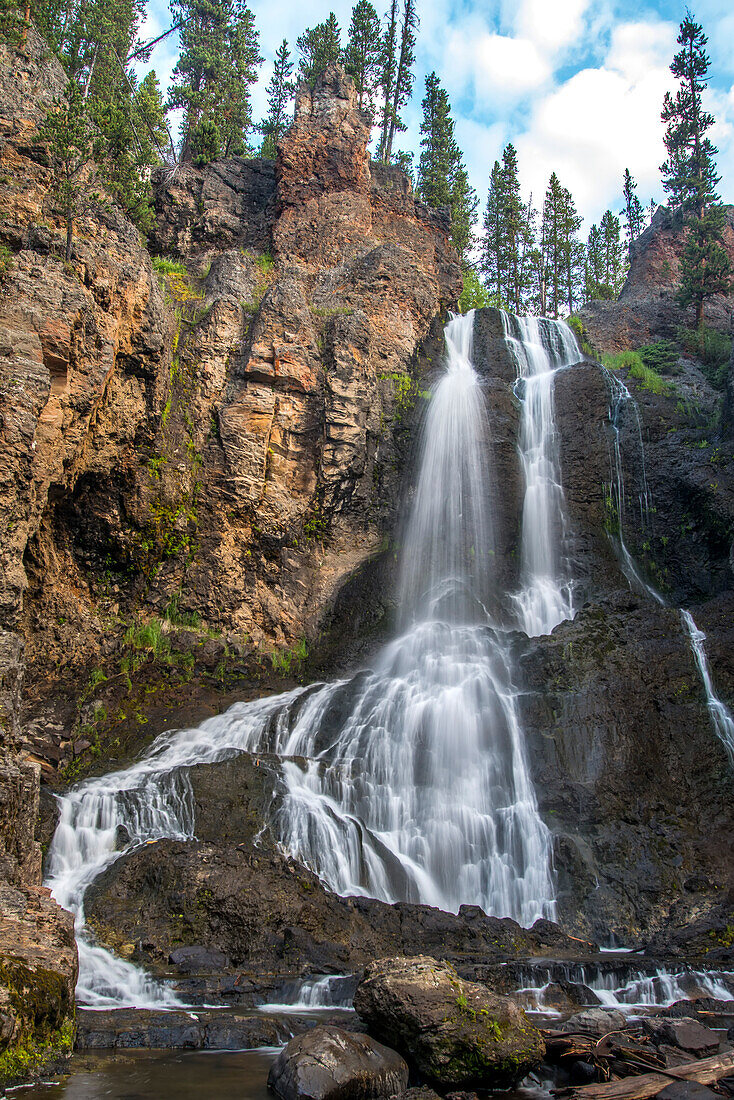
41	1003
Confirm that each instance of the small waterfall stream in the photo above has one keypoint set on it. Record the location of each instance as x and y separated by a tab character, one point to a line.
621	398
541	348
408	781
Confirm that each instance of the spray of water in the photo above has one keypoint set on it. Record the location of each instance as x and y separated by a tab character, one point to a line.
540	348
406	782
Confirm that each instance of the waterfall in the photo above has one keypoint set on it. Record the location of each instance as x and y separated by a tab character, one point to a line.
621	399
540	348
407	782
721	718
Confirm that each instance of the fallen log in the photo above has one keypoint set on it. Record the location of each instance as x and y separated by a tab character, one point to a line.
705	1072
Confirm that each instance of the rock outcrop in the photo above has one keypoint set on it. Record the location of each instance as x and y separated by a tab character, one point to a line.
222	431
457	1034
647	310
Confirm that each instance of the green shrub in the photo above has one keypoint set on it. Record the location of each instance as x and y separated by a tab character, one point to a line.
6	262
165	266
712	349
662	356
621	360
649	379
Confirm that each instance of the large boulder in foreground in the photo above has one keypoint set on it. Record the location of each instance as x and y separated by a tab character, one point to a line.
328	1063
456	1033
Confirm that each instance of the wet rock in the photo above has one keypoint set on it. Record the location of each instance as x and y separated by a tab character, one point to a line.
595	1021
686	1034
194	1029
455	1033
332	1064
687	1090
211	895
195	959
583	1073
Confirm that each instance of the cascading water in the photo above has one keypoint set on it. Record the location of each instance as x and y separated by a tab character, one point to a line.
621	398
408	781
721	718
541	347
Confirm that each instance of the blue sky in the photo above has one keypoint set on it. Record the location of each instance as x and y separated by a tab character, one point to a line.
576	85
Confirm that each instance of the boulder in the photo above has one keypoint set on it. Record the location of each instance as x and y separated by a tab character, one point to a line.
685	1033
456	1033
331	1064
595	1021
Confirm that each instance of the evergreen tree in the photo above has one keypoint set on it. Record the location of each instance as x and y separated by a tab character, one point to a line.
318	46
279	93
572	252
68	133
516	231
563	254
493	251
388	70
615	268
211	81
363	54
594	266
442	176
633	213
552	247
403	83
689	174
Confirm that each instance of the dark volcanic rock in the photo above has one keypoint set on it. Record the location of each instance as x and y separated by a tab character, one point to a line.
172	893
624	756
332	1064
684	1033
456	1033
647	309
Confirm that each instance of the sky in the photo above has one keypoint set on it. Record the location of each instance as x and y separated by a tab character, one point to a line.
575	85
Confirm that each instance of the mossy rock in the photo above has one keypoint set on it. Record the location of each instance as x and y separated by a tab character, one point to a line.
36	1021
456	1034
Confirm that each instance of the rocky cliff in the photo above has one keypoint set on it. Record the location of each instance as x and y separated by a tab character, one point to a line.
198	449
646	310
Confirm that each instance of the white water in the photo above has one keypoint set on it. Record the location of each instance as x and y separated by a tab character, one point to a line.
329	992
639	990
541	348
409	781
721	717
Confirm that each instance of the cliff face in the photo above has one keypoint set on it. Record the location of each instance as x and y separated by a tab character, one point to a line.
221	431
646	310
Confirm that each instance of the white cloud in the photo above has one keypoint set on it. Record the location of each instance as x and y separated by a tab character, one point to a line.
551	26
494	66
603	120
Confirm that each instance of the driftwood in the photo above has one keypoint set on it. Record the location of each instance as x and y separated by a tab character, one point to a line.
705	1071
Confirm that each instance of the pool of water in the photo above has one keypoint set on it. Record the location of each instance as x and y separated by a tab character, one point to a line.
153	1075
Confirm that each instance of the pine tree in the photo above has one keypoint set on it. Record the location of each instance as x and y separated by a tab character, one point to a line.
493	249
689	174
279	93
442	175
633	213
516	230
363	54
232	111
572	252
318	46
615	268
68	133
217	64
388	70
594	266
552	247
403	84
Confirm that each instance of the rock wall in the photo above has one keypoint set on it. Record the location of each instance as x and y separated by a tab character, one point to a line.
220	431
646	310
